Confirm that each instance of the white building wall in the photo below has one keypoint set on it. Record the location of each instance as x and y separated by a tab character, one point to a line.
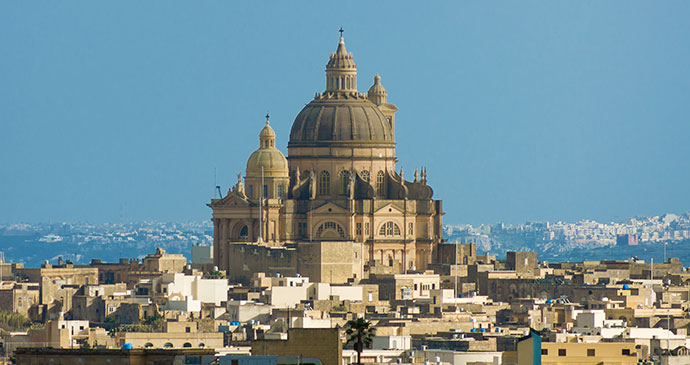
353	293
463	358
319	291
210	290
244	311
287	296
307	322
391	342
180	286
591	319
187	305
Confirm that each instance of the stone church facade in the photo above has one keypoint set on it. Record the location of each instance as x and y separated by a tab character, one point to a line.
335	208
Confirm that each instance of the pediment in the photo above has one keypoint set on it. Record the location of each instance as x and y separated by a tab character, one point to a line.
231	200
329	208
388	209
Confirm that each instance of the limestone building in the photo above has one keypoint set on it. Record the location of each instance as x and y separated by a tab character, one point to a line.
336	207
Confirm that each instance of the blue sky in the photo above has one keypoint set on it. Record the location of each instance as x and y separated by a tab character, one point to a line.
520	112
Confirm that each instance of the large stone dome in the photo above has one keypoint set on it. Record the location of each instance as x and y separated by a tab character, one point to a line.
338	120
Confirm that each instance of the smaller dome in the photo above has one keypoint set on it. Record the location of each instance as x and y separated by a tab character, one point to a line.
267	159
377	93
273	162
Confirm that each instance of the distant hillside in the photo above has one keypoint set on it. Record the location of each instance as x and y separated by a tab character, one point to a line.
33	244
79	243
583	240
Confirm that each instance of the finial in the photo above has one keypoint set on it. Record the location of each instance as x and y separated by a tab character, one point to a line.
267	117
341	32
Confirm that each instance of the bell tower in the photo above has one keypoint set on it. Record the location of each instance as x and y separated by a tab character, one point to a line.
378	95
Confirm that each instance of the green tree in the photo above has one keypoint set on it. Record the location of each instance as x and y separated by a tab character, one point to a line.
13	321
150	324
214	275
360	333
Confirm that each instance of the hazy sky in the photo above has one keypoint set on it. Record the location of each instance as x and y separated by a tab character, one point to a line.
529	111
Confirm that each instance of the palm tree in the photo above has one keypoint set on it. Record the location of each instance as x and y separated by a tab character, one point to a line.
360	333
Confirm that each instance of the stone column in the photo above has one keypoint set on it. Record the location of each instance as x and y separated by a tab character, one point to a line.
216	242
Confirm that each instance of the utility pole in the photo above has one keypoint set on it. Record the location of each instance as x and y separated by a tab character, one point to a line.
261	204
651	284
665	243
456	273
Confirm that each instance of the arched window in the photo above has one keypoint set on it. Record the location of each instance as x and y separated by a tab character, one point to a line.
244	232
343	179
324	183
379	183
389	229
148	345
202	345
168	345
365	175
330	230
187	344
281	191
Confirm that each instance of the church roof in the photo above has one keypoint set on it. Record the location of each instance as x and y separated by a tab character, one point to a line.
341	59
340	114
340	120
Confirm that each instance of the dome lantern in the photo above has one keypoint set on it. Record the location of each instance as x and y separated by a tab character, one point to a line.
267	136
341	71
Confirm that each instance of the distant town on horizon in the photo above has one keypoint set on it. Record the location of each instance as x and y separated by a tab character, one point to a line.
35	243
